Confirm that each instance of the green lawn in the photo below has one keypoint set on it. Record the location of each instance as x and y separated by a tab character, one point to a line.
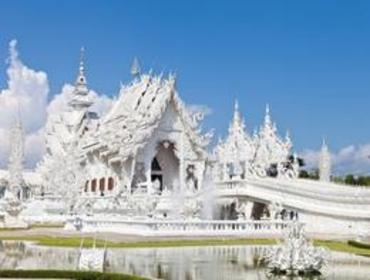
341	246
88	242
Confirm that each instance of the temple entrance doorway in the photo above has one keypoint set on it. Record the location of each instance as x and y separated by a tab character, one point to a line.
157	174
165	167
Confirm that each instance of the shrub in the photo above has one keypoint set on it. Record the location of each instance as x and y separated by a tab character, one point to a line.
358	244
66	274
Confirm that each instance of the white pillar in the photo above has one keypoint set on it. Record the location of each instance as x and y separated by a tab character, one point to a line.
148	175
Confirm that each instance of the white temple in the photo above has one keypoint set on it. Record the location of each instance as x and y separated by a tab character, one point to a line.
145	167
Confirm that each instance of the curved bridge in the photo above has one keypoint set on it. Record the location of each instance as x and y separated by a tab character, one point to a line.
318	199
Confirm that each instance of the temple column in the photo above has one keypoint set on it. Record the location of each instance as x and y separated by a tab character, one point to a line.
148	175
200	168
133	168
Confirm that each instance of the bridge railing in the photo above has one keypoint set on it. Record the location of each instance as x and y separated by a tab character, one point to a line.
296	197
292	188
173	227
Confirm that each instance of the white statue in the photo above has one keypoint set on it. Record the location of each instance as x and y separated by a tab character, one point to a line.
296	256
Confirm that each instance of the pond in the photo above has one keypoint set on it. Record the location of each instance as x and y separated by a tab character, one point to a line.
187	263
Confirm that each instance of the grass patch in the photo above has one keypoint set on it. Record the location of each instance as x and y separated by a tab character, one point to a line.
88	242
11	229
342	246
65	274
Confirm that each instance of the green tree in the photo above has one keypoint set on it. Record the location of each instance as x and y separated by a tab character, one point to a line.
350	180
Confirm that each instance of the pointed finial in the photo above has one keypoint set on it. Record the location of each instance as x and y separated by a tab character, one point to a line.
287	135
81	78
324	145
236	111
173	79
267	114
82	61
236	105
135	67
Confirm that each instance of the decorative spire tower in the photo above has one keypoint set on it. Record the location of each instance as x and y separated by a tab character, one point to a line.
324	163
81	100
16	158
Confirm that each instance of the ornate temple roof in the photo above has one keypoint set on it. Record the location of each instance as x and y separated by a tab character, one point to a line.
128	126
270	147
261	150
238	146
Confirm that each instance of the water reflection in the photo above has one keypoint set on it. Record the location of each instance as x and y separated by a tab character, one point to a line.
189	263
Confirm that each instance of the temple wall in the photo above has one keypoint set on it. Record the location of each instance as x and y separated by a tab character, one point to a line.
101	179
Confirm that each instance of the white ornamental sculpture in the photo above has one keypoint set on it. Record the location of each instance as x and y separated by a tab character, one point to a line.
296	255
235	154
16	158
11	203
325	163
66	179
270	148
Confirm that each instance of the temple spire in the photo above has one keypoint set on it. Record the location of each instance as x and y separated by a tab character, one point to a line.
82	63
81	84
325	162
16	158
80	99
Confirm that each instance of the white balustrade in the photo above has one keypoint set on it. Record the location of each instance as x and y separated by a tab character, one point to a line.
185	228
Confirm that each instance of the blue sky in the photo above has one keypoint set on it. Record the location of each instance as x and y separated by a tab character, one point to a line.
310	60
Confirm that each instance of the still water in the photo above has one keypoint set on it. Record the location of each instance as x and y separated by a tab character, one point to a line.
187	263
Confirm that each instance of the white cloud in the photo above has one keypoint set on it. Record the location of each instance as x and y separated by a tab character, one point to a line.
27	94
102	103
350	159
195	108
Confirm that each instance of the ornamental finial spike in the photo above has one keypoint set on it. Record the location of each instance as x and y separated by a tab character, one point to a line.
135	67
267	114
236	105
82	61
81	78
236	119
324	142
